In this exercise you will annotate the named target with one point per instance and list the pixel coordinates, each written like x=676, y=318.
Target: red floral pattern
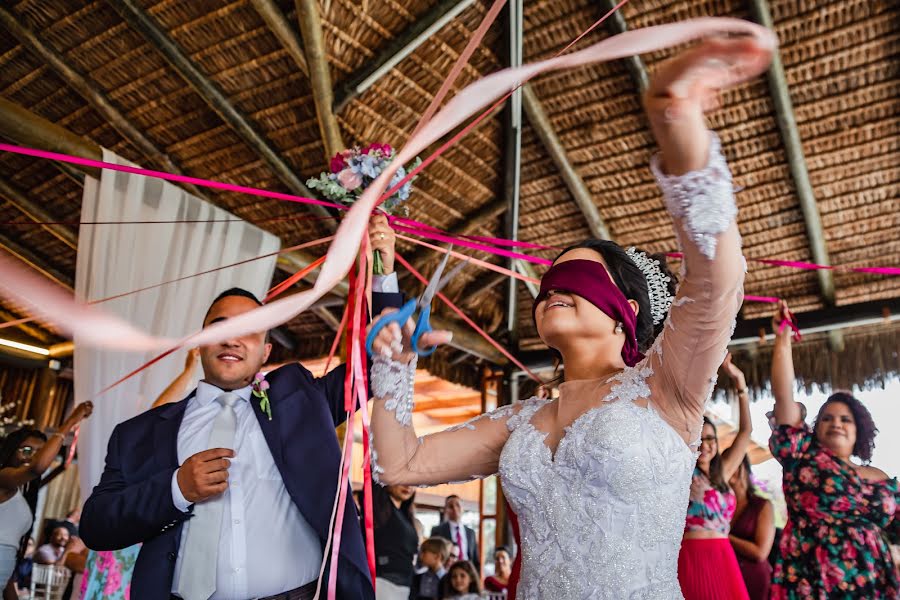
x=835, y=544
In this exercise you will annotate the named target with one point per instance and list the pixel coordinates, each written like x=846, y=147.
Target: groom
x=229, y=503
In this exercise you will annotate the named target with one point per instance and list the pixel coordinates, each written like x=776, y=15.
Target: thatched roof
x=840, y=62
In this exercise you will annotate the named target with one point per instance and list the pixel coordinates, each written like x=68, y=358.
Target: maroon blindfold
x=590, y=280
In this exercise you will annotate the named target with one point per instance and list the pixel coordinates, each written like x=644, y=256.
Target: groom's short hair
x=235, y=291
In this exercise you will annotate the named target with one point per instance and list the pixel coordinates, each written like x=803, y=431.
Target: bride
x=599, y=477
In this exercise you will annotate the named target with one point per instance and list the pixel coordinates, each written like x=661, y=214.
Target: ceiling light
x=25, y=347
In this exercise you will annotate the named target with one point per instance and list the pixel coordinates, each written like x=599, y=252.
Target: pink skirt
x=708, y=570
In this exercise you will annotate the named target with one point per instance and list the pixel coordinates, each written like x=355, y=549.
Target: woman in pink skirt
x=707, y=566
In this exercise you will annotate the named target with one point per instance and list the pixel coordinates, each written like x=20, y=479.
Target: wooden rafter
x=399, y=48
x=30, y=209
x=27, y=328
x=542, y=126
x=319, y=74
x=793, y=149
x=88, y=90
x=281, y=28
x=213, y=95
x=38, y=263
x=616, y=24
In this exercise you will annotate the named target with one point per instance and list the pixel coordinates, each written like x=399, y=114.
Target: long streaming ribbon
x=95, y=328
x=481, y=263
x=177, y=279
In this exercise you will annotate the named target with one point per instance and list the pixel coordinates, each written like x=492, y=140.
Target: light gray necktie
x=197, y=580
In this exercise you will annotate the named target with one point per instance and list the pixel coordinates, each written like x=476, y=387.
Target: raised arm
x=400, y=457
x=734, y=454
x=787, y=411
x=697, y=186
x=11, y=478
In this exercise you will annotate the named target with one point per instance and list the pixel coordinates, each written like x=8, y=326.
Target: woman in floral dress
x=841, y=515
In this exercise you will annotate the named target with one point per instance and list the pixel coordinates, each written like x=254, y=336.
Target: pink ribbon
x=95, y=328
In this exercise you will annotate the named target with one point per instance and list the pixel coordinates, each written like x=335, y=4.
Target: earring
x=619, y=328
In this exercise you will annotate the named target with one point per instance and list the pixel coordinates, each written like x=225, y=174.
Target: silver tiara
x=657, y=284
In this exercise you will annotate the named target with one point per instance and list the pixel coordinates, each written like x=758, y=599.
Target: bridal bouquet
x=353, y=170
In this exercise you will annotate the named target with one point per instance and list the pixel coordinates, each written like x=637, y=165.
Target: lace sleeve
x=680, y=368
x=461, y=453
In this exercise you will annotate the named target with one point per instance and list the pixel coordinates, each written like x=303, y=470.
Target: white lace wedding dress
x=602, y=516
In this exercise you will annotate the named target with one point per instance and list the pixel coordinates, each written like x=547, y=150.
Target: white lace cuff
x=394, y=382
x=703, y=200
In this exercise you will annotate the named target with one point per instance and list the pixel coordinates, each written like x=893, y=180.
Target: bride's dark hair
x=630, y=279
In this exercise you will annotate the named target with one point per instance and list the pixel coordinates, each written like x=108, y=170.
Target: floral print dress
x=107, y=574
x=835, y=544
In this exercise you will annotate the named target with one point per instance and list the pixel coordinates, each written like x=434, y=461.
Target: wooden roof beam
x=540, y=121
x=319, y=74
x=281, y=28
x=88, y=90
x=793, y=148
x=26, y=328
x=23, y=203
x=616, y=25
x=213, y=95
x=38, y=263
x=397, y=49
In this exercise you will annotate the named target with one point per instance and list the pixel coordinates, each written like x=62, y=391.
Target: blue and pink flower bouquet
x=354, y=169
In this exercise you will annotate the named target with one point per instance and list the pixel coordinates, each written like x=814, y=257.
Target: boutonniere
x=261, y=390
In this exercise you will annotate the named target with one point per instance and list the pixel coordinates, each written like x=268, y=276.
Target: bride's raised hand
x=694, y=77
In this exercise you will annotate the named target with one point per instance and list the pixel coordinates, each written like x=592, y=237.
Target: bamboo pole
x=281, y=28
x=319, y=74
x=793, y=148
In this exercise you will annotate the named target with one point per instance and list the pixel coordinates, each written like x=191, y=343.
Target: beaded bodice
x=603, y=517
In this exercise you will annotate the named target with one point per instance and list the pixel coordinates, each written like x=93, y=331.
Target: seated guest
x=499, y=581
x=22, y=574
x=432, y=555
x=52, y=552
x=461, y=582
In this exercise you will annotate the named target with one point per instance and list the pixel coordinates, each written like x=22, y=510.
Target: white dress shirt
x=266, y=545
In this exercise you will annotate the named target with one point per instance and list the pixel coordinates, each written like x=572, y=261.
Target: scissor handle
x=400, y=317
x=423, y=326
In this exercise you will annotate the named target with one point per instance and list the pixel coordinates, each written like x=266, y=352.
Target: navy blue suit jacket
x=133, y=501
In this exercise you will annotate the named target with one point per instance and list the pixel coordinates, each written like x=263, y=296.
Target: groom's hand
x=205, y=474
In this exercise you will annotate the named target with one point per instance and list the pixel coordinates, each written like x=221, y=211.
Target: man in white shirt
x=232, y=499
x=452, y=529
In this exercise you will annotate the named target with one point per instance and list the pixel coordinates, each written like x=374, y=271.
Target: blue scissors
x=422, y=304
